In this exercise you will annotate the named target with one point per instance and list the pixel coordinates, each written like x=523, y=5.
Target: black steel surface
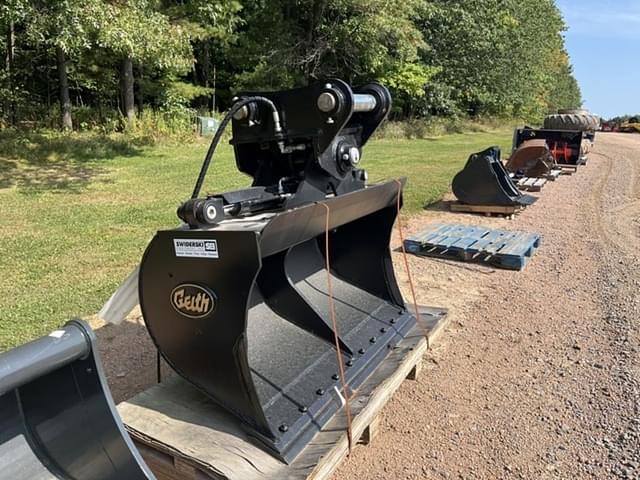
x=484, y=181
x=61, y=423
x=267, y=351
x=306, y=157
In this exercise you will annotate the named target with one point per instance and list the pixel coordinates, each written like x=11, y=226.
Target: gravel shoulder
x=538, y=375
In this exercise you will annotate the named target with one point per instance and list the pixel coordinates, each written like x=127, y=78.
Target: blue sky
x=603, y=41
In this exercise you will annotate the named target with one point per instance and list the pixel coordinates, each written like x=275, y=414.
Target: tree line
x=73, y=63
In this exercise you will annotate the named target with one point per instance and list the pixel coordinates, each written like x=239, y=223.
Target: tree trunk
x=139, y=97
x=310, y=66
x=126, y=83
x=65, y=101
x=11, y=103
x=206, y=64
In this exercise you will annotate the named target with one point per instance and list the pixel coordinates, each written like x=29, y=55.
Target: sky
x=603, y=41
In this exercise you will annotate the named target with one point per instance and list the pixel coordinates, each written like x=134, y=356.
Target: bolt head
x=354, y=156
x=303, y=409
x=373, y=340
x=350, y=362
x=320, y=391
x=327, y=102
x=283, y=428
x=241, y=114
x=361, y=351
x=335, y=376
x=211, y=212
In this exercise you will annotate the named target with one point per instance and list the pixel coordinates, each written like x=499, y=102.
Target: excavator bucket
x=241, y=302
x=57, y=417
x=566, y=146
x=484, y=181
x=531, y=159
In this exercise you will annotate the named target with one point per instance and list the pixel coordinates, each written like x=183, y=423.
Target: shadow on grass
x=439, y=206
x=43, y=162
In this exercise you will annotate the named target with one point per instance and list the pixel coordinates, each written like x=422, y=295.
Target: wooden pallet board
x=553, y=175
x=531, y=184
x=508, y=211
x=183, y=435
x=567, y=169
x=500, y=248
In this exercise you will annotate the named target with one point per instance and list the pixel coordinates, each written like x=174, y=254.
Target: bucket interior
x=290, y=365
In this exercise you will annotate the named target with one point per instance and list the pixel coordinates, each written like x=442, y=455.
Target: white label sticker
x=196, y=248
x=57, y=334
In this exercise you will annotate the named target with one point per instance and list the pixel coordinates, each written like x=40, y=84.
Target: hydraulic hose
x=223, y=124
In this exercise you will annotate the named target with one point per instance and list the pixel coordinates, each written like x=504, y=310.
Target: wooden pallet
x=553, y=175
x=531, y=184
x=500, y=248
x=567, y=169
x=182, y=435
x=488, y=210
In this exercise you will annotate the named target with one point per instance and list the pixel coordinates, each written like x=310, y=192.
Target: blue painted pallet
x=500, y=248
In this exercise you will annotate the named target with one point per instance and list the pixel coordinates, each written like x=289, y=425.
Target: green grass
x=78, y=211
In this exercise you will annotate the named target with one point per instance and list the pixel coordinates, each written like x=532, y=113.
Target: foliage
x=440, y=58
x=407, y=84
x=135, y=29
x=498, y=57
x=309, y=39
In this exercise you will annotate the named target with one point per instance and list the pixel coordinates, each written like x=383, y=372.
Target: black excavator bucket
x=238, y=301
x=57, y=417
x=484, y=181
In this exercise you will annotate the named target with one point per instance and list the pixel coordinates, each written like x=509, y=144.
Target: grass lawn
x=78, y=211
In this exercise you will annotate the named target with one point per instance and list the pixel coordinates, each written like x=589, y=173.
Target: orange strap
x=406, y=262
x=336, y=336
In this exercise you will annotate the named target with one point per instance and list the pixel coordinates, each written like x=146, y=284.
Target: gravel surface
x=538, y=374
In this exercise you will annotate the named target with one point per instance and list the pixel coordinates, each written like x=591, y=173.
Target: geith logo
x=192, y=300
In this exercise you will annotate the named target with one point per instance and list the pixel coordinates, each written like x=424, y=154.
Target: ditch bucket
x=57, y=417
x=240, y=303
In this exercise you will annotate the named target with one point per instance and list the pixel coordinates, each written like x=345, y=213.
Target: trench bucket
x=485, y=181
x=247, y=319
x=57, y=417
x=531, y=159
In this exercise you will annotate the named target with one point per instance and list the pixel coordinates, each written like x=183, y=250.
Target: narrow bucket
x=484, y=181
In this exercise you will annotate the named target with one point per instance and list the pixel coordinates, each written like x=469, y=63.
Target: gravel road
x=538, y=375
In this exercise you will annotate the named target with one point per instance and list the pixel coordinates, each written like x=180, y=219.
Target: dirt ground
x=538, y=374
